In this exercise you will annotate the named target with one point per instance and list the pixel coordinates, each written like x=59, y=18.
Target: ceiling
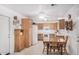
x=32, y=10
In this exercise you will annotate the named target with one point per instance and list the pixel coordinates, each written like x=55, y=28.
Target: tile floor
x=33, y=50
x=37, y=49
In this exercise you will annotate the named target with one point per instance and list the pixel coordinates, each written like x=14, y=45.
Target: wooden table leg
x=47, y=48
x=61, y=52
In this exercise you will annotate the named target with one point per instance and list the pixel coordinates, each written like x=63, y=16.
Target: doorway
x=4, y=34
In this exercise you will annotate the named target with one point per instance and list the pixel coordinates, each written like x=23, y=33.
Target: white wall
x=74, y=11
x=10, y=13
x=34, y=34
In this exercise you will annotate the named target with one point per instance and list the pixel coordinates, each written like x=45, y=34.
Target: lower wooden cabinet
x=23, y=37
x=19, y=40
x=40, y=37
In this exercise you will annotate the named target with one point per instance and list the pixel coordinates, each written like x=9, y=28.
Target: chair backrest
x=54, y=39
x=60, y=37
x=52, y=36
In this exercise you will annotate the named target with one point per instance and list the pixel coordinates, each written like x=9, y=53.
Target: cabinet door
x=26, y=25
x=40, y=26
x=53, y=26
x=40, y=37
x=16, y=37
x=21, y=41
x=61, y=24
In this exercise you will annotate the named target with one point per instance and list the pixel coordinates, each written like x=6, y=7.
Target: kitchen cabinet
x=27, y=27
x=19, y=40
x=40, y=36
x=40, y=26
x=61, y=24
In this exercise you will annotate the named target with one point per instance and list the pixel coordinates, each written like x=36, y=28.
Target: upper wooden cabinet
x=61, y=24
x=53, y=26
x=40, y=26
x=27, y=26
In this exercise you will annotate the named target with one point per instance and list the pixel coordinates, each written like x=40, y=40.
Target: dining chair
x=54, y=45
x=65, y=45
x=44, y=46
x=45, y=37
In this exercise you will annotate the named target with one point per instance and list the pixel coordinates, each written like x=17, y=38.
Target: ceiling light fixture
x=42, y=16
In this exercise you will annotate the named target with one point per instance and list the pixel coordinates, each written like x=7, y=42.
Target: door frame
x=9, y=31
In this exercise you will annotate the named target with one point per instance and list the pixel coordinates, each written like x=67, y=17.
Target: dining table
x=59, y=41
